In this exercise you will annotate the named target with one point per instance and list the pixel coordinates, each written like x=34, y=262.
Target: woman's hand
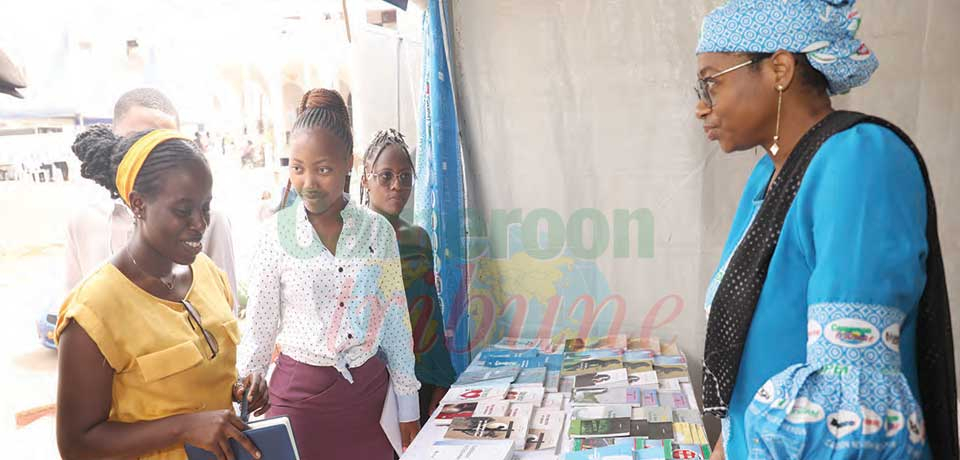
x=408, y=431
x=259, y=399
x=213, y=430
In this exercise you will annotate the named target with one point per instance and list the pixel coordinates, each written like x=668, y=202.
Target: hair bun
x=322, y=98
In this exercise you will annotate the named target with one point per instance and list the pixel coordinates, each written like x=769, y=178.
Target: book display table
x=586, y=399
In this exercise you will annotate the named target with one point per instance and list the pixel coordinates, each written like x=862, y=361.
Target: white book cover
x=600, y=412
x=643, y=379
x=669, y=384
x=475, y=393
x=600, y=396
x=552, y=383
x=545, y=430
x=553, y=401
x=521, y=414
x=614, y=377
x=479, y=409
x=532, y=395
x=486, y=450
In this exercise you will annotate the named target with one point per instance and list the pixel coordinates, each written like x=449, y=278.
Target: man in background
x=99, y=230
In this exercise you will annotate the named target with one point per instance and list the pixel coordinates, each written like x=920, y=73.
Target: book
x=669, y=384
x=491, y=353
x=553, y=362
x=533, y=395
x=582, y=444
x=651, y=430
x=553, y=401
x=614, y=452
x=673, y=400
x=691, y=451
x=640, y=365
x=545, y=430
x=578, y=366
x=614, y=342
x=643, y=379
x=651, y=344
x=521, y=414
x=454, y=450
x=601, y=412
x=472, y=377
x=534, y=376
x=273, y=436
x=523, y=363
x=671, y=371
x=544, y=345
x=669, y=348
x=669, y=360
x=658, y=414
x=451, y=411
x=600, y=428
x=691, y=416
x=615, y=377
x=638, y=355
x=600, y=395
x=691, y=397
x=552, y=383
x=482, y=428
x=652, y=449
x=475, y=393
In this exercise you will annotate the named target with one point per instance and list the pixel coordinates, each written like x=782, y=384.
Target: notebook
x=273, y=436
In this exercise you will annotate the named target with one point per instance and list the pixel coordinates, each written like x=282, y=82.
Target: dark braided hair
x=100, y=152
x=380, y=141
x=324, y=108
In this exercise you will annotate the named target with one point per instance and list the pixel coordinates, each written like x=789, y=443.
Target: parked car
x=47, y=323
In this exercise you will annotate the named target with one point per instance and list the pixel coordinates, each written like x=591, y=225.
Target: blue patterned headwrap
x=824, y=30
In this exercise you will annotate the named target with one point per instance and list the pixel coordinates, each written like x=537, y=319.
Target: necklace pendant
x=774, y=149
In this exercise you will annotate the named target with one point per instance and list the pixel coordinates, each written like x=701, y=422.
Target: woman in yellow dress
x=148, y=341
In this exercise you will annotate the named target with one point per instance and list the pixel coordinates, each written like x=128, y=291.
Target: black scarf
x=738, y=293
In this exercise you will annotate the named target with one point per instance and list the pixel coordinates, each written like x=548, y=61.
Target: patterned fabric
x=824, y=30
x=328, y=309
x=869, y=266
x=429, y=345
x=849, y=400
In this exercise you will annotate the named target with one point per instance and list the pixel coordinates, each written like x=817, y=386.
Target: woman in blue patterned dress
x=828, y=327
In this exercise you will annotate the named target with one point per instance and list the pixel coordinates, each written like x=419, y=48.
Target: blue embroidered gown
x=829, y=368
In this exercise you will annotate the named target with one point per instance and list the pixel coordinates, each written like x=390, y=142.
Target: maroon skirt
x=332, y=418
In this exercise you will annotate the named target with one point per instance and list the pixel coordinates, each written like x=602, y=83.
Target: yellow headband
x=137, y=155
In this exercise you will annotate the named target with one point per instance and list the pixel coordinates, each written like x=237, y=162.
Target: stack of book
x=510, y=393
x=594, y=398
x=630, y=397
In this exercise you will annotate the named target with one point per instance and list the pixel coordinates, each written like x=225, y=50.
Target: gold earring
x=776, y=135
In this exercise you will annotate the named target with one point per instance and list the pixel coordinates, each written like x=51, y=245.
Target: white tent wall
x=575, y=105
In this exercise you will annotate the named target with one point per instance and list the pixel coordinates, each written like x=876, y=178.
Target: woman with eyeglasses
x=148, y=341
x=326, y=286
x=828, y=332
x=388, y=180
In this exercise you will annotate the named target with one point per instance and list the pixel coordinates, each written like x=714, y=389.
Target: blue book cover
x=553, y=362
x=602, y=453
x=489, y=354
x=273, y=436
x=524, y=363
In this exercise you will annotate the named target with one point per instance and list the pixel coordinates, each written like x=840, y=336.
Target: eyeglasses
x=385, y=178
x=704, y=84
x=194, y=319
